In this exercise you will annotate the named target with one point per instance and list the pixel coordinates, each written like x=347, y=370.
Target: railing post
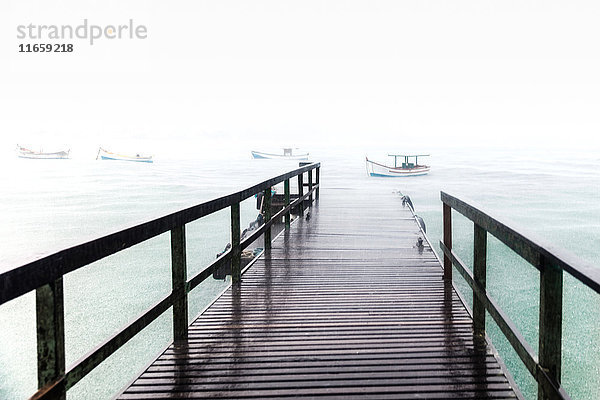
x=267, y=234
x=310, y=186
x=479, y=275
x=286, y=194
x=317, y=173
x=50, y=319
x=179, y=277
x=447, y=241
x=550, y=338
x=301, y=193
x=236, y=253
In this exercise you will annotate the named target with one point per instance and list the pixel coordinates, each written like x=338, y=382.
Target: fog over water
x=522, y=74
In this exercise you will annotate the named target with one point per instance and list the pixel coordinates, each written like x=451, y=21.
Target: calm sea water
x=50, y=205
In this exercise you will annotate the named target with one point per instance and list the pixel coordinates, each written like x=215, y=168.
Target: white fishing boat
x=287, y=155
x=23, y=152
x=107, y=155
x=407, y=167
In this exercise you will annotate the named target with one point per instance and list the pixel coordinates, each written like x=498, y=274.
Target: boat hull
x=44, y=156
x=261, y=155
x=380, y=170
x=106, y=155
x=35, y=155
x=125, y=159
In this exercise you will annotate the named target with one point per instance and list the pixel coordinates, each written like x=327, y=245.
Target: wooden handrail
x=550, y=261
x=45, y=277
x=33, y=275
x=526, y=244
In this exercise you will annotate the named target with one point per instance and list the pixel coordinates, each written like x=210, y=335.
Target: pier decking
x=344, y=305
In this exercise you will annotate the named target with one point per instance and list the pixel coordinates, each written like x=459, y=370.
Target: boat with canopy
x=404, y=165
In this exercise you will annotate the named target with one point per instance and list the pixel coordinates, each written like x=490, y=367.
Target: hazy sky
x=255, y=73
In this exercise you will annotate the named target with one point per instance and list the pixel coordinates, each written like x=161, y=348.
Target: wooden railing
x=45, y=276
x=551, y=263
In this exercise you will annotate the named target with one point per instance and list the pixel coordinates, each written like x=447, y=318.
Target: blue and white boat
x=287, y=155
x=407, y=167
x=107, y=155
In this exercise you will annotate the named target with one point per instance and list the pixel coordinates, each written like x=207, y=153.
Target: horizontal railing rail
x=45, y=276
x=550, y=261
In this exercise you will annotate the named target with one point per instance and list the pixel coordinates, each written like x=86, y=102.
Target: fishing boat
x=409, y=166
x=23, y=152
x=287, y=155
x=107, y=155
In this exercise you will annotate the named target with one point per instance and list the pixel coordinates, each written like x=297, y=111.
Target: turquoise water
x=50, y=205
x=554, y=195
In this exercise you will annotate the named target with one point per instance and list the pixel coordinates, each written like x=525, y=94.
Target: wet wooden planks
x=346, y=305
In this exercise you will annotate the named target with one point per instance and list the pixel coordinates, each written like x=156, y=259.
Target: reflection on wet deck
x=345, y=305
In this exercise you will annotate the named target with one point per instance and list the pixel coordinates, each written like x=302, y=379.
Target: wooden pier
x=347, y=305
x=349, y=301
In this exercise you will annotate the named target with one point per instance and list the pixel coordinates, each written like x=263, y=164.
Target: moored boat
x=406, y=167
x=287, y=155
x=107, y=155
x=23, y=152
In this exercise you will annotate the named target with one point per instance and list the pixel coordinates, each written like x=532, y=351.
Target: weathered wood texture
x=549, y=261
x=236, y=251
x=345, y=305
x=479, y=275
x=179, y=277
x=50, y=321
x=447, y=211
